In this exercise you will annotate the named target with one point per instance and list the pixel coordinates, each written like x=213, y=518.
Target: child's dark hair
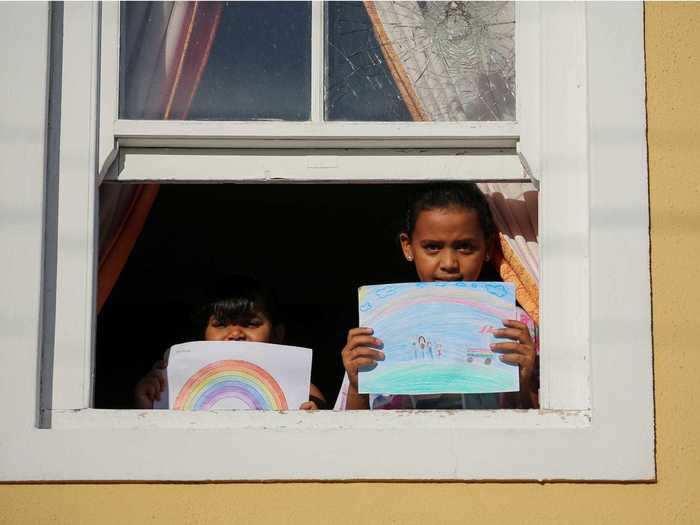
x=441, y=195
x=235, y=298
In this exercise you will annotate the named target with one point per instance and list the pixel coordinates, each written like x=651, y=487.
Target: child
x=448, y=236
x=239, y=309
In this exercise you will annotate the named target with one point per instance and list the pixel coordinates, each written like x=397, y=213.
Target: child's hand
x=520, y=351
x=358, y=354
x=148, y=390
x=308, y=405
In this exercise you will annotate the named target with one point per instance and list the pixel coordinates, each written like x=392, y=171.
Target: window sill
x=318, y=420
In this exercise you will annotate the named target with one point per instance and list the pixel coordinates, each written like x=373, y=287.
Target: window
x=258, y=61
x=565, y=107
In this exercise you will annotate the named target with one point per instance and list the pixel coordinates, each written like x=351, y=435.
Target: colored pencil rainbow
x=231, y=378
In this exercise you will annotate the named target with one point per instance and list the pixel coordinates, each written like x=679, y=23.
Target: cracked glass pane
x=215, y=60
x=423, y=61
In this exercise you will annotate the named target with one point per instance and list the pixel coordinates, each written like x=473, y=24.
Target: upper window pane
x=215, y=60
x=425, y=61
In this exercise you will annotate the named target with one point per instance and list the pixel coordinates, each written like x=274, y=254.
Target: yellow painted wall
x=673, y=83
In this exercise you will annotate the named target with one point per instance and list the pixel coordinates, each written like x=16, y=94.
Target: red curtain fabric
x=169, y=59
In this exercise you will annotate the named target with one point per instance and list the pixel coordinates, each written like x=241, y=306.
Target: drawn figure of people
x=422, y=343
x=430, y=349
x=438, y=349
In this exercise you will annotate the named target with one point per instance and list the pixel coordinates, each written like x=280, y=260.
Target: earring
x=409, y=257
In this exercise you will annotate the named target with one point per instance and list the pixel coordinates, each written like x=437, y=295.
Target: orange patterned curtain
x=165, y=63
x=514, y=209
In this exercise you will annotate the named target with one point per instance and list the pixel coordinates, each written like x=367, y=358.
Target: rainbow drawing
x=231, y=378
x=409, y=297
x=436, y=337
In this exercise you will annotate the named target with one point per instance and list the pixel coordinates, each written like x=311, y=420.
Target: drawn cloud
x=386, y=291
x=496, y=289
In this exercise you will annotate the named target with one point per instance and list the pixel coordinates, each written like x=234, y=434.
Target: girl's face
x=447, y=244
x=255, y=328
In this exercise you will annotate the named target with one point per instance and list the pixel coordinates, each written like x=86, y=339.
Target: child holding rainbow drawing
x=448, y=236
x=238, y=309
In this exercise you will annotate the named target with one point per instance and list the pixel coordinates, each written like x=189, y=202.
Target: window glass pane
x=215, y=60
x=359, y=85
x=433, y=61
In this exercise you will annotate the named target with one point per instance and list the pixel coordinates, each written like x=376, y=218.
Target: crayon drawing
x=215, y=375
x=436, y=337
x=231, y=378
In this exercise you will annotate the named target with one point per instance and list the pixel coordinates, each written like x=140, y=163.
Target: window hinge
x=109, y=164
x=534, y=178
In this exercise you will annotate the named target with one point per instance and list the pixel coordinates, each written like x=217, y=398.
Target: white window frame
x=584, y=139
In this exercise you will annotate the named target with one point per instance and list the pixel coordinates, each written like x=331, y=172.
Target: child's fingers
x=360, y=358
x=523, y=363
x=362, y=330
x=362, y=362
x=150, y=389
x=357, y=347
x=364, y=340
x=363, y=351
x=522, y=336
x=513, y=359
x=354, y=349
x=503, y=348
x=512, y=323
x=308, y=405
x=157, y=379
x=144, y=396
